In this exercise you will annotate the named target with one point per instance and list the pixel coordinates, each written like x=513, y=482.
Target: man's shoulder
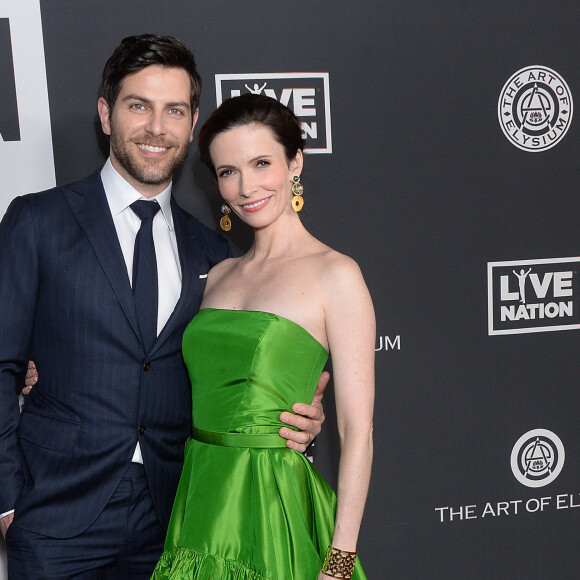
x=82, y=186
x=208, y=238
x=50, y=207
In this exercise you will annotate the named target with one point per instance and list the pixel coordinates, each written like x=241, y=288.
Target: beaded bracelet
x=339, y=563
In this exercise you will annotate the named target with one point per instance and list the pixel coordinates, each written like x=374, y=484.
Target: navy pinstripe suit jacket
x=66, y=303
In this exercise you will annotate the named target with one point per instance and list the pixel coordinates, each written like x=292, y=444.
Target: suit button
x=142, y=429
x=147, y=367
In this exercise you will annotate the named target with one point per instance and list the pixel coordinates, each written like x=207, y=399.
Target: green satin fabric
x=247, y=507
x=258, y=440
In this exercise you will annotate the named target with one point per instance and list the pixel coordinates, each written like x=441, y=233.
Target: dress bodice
x=261, y=364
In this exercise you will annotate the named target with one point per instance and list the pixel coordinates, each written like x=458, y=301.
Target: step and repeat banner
x=443, y=157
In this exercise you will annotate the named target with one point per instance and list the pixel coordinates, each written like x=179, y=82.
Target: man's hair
x=138, y=52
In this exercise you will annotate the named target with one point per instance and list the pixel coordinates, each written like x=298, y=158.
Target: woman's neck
x=283, y=238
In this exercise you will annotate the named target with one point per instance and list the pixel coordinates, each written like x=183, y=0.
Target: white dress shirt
x=120, y=195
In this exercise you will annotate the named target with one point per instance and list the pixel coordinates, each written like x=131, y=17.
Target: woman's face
x=253, y=174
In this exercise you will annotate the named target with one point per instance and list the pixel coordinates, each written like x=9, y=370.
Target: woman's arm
x=350, y=327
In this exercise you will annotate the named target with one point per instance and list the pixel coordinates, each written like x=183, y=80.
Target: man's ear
x=104, y=115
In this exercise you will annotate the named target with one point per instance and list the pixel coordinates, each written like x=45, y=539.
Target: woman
x=247, y=507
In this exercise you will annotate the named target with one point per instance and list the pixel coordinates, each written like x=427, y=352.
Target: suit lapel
x=88, y=202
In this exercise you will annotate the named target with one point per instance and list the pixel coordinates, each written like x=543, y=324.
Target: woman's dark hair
x=138, y=52
x=246, y=110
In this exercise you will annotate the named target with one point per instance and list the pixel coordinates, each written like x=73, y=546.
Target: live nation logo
x=307, y=94
x=533, y=295
x=535, y=108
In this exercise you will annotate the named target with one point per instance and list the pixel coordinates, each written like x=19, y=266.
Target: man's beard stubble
x=150, y=171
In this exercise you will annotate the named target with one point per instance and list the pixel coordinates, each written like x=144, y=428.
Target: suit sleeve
x=218, y=247
x=19, y=280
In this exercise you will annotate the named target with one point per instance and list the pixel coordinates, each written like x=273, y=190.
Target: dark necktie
x=145, y=285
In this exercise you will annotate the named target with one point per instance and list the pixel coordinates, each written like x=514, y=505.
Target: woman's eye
x=225, y=173
x=263, y=163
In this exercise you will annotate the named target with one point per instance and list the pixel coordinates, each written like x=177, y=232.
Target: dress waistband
x=258, y=440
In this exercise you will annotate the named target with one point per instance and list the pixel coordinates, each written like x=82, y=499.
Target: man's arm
x=18, y=297
x=308, y=419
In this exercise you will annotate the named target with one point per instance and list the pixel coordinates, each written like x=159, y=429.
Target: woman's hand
x=31, y=378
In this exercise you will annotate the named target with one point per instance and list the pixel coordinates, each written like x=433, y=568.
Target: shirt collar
x=121, y=194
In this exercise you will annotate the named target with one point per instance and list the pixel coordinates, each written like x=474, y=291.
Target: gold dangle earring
x=225, y=222
x=297, y=190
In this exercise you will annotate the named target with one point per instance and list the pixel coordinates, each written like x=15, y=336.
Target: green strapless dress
x=247, y=507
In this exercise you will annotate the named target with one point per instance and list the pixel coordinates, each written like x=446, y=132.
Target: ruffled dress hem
x=187, y=563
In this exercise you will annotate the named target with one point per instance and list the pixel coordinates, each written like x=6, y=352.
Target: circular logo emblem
x=537, y=458
x=535, y=108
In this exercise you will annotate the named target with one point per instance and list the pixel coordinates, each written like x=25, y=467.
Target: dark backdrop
x=423, y=189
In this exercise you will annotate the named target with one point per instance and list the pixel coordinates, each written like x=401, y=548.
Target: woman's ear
x=296, y=164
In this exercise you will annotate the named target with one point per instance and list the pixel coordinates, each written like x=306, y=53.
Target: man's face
x=151, y=127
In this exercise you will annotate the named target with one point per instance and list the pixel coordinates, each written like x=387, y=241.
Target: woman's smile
x=256, y=205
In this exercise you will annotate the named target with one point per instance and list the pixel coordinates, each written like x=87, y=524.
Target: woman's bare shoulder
x=222, y=267
x=337, y=267
x=219, y=271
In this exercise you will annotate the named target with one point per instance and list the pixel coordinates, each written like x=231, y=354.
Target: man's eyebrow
x=137, y=97
x=178, y=104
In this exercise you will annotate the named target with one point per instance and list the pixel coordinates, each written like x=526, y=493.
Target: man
x=98, y=293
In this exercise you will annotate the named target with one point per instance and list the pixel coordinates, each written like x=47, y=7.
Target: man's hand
x=308, y=419
x=5, y=523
